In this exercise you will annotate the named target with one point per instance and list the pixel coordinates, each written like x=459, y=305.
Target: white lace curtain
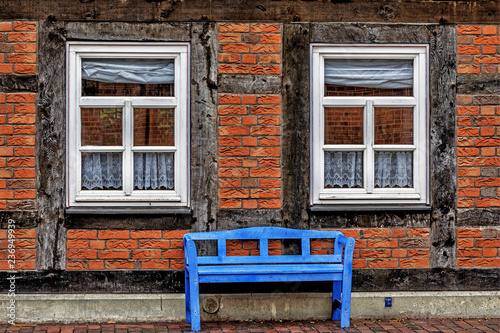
x=103, y=171
x=392, y=169
x=371, y=73
x=140, y=71
x=153, y=171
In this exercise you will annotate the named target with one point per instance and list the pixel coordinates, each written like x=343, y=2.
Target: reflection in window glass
x=101, y=126
x=154, y=127
x=393, y=125
x=343, y=125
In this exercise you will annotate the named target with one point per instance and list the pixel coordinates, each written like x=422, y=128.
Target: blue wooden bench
x=336, y=267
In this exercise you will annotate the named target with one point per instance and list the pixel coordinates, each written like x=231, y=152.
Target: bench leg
x=194, y=303
x=336, y=299
x=345, y=313
x=187, y=297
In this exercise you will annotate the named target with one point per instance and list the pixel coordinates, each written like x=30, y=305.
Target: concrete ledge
x=74, y=308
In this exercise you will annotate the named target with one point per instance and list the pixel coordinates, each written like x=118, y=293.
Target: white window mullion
x=369, y=135
x=128, y=158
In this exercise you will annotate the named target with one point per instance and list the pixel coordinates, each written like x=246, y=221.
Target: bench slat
x=285, y=259
x=270, y=277
x=264, y=269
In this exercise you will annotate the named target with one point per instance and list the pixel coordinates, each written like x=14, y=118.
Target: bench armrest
x=190, y=254
x=348, y=249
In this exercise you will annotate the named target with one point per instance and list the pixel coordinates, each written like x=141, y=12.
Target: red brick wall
x=478, y=120
x=249, y=124
x=17, y=118
x=125, y=249
x=478, y=247
x=25, y=249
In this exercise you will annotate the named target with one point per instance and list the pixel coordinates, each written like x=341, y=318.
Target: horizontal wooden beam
x=408, y=11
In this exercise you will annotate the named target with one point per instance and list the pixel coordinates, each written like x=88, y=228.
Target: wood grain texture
x=411, y=11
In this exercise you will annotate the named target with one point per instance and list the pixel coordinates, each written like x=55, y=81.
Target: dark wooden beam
x=411, y=11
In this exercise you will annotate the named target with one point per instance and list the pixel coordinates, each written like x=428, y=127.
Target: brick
x=236, y=48
x=490, y=252
x=465, y=242
x=249, y=99
x=270, y=183
x=249, y=59
x=234, y=69
x=487, y=131
x=229, y=141
x=121, y=244
x=229, y=121
x=6, y=151
x=469, y=30
x=487, y=161
x=229, y=99
x=82, y=234
x=269, y=162
x=414, y=243
x=468, y=49
x=489, y=30
x=21, y=141
x=383, y=243
x=399, y=253
x=259, y=69
x=488, y=151
x=465, y=161
x=76, y=265
x=25, y=194
x=24, y=129
x=232, y=27
x=173, y=254
x=383, y=263
x=24, y=173
x=265, y=172
x=465, y=263
x=26, y=58
x=154, y=244
x=270, y=39
x=229, y=38
x=250, y=38
x=229, y=203
x=488, y=262
x=488, y=49
x=484, y=59
x=232, y=110
x=229, y=57
x=77, y=244
x=233, y=173
x=234, y=193
x=486, y=40
x=469, y=172
x=411, y=263
x=468, y=69
x=234, y=151
x=488, y=110
x=468, y=152
x=146, y=254
x=485, y=142
x=6, y=108
x=229, y=162
x=265, y=48
x=21, y=37
x=249, y=142
x=375, y=233
x=24, y=151
x=249, y=182
x=22, y=119
x=463, y=100
x=82, y=254
x=97, y=244
x=25, y=254
x=418, y=253
x=175, y=234
x=265, y=130
x=468, y=131
x=24, y=69
x=5, y=173
x=25, y=48
x=266, y=194
x=468, y=110
x=223, y=183
x=269, y=120
x=5, y=68
x=113, y=254
x=469, y=253
x=250, y=204
x=265, y=28
x=488, y=202
x=114, y=234
x=5, y=26
x=467, y=233
x=268, y=99
x=465, y=182
x=495, y=243
x=464, y=59
x=119, y=264
x=470, y=192
x=95, y=265
x=145, y=234
x=488, y=182
x=418, y=232
x=24, y=26
x=265, y=152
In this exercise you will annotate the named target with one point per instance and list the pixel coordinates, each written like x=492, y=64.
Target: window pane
x=154, y=127
x=128, y=77
x=101, y=127
x=343, y=169
x=101, y=171
x=154, y=171
x=393, y=126
x=393, y=169
x=368, y=77
x=343, y=126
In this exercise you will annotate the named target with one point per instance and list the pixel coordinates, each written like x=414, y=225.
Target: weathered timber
x=131, y=221
x=239, y=218
x=22, y=219
x=481, y=84
x=485, y=217
x=443, y=149
x=15, y=83
x=445, y=11
x=246, y=84
x=50, y=150
x=172, y=281
x=204, y=126
x=295, y=128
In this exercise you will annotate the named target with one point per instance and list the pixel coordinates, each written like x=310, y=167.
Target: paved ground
x=414, y=325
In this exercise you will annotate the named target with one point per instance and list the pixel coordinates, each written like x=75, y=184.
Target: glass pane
x=101, y=171
x=393, y=169
x=343, y=126
x=368, y=77
x=393, y=126
x=154, y=171
x=101, y=127
x=343, y=169
x=128, y=77
x=154, y=127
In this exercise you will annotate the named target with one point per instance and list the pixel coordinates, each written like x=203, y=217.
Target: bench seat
x=262, y=267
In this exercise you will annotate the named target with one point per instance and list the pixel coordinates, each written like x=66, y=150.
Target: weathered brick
x=232, y=27
x=234, y=193
x=119, y=264
x=234, y=151
x=265, y=28
x=121, y=244
x=113, y=254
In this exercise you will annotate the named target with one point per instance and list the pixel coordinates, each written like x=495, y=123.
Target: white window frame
x=369, y=195
x=128, y=197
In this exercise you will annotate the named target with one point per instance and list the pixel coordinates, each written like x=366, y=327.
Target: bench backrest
x=263, y=235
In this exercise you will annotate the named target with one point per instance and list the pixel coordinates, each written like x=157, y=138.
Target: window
x=127, y=125
x=369, y=125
